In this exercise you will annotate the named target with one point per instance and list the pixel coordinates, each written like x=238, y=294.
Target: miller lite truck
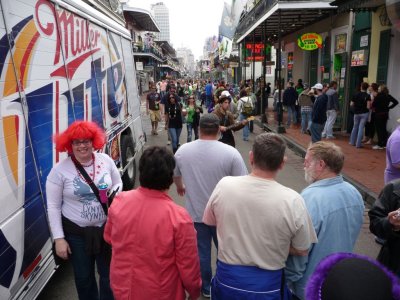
x=60, y=61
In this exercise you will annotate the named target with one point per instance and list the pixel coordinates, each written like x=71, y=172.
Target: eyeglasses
x=81, y=142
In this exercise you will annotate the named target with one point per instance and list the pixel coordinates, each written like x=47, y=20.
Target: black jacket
x=289, y=97
x=319, y=109
x=388, y=201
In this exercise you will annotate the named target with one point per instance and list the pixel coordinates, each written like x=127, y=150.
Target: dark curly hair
x=156, y=168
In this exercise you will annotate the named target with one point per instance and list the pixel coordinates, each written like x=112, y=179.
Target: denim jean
x=175, y=133
x=305, y=120
x=316, y=132
x=209, y=100
x=205, y=234
x=246, y=128
x=83, y=265
x=330, y=121
x=190, y=128
x=358, y=129
x=291, y=114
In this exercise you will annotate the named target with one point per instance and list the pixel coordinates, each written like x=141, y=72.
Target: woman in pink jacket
x=153, y=239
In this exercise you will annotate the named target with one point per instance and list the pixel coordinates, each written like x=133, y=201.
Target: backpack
x=247, y=107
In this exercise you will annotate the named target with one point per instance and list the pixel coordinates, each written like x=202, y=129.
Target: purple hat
x=352, y=276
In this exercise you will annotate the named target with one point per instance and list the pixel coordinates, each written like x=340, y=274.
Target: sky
x=191, y=21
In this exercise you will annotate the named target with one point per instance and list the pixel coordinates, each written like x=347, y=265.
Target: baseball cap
x=209, y=121
x=225, y=93
x=318, y=86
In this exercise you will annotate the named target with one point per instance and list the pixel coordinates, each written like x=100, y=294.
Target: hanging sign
x=309, y=41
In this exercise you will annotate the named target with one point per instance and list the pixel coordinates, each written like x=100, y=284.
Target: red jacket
x=154, y=247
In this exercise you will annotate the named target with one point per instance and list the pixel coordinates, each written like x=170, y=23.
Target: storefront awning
x=142, y=18
x=294, y=16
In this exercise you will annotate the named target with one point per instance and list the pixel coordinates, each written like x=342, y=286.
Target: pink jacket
x=154, y=248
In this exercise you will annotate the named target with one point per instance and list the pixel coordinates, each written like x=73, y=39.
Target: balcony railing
x=141, y=48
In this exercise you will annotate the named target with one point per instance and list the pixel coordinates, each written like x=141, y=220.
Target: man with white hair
x=336, y=209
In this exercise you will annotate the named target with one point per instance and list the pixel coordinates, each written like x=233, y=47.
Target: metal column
x=281, y=128
x=264, y=99
x=254, y=61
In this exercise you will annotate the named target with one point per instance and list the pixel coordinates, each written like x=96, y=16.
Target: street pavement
x=61, y=286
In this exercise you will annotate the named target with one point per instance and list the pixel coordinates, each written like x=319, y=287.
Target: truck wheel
x=128, y=152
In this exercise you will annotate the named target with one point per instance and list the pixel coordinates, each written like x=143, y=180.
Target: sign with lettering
x=309, y=41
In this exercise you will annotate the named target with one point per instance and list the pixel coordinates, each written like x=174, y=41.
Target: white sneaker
x=376, y=147
x=169, y=143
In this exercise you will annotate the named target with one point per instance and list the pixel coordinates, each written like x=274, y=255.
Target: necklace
x=172, y=109
x=79, y=173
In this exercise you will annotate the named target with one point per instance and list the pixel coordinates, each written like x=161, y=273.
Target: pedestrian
x=306, y=107
x=289, y=100
x=332, y=110
x=276, y=97
x=164, y=100
x=173, y=120
x=193, y=118
x=245, y=109
x=227, y=121
x=318, y=115
x=352, y=276
x=360, y=105
x=209, y=94
x=299, y=86
x=370, y=125
x=259, y=222
x=392, y=170
x=385, y=224
x=153, y=239
x=75, y=213
x=254, y=102
x=200, y=165
x=333, y=204
x=383, y=102
x=153, y=107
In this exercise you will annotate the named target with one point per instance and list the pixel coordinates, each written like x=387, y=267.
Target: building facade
x=161, y=15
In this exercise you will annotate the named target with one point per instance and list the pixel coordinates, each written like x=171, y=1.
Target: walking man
x=153, y=107
x=259, y=222
x=332, y=110
x=209, y=94
x=200, y=165
x=318, y=116
x=336, y=209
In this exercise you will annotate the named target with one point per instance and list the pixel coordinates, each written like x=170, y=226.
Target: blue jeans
x=209, y=100
x=330, y=121
x=83, y=265
x=189, y=127
x=246, y=128
x=291, y=109
x=175, y=133
x=205, y=234
x=305, y=120
x=316, y=132
x=358, y=129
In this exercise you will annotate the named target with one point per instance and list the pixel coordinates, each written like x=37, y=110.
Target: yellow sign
x=309, y=41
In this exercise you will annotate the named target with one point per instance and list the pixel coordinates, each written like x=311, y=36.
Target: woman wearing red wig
x=76, y=216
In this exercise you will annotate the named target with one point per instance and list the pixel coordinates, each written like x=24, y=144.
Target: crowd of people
x=272, y=242
x=318, y=107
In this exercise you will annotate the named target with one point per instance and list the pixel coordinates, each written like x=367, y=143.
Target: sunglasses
x=81, y=142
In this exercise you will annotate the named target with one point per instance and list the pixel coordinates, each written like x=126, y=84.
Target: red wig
x=77, y=131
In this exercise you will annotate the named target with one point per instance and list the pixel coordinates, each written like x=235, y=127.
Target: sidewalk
x=363, y=167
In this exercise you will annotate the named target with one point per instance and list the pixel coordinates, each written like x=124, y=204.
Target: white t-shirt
x=202, y=163
x=68, y=193
x=257, y=221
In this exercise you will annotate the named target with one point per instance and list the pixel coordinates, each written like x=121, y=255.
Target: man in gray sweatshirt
x=332, y=110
